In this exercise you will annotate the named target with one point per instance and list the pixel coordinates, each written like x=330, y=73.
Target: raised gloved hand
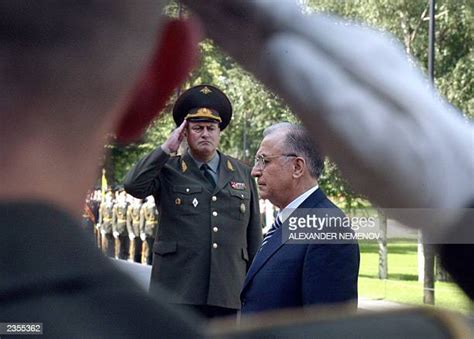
x=366, y=106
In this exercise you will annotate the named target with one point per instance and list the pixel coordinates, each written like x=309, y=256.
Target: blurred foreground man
x=283, y=275
x=208, y=205
x=62, y=66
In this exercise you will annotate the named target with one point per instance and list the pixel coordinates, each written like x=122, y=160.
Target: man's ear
x=175, y=56
x=299, y=167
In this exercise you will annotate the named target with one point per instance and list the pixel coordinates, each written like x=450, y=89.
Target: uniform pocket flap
x=187, y=189
x=245, y=254
x=240, y=194
x=164, y=247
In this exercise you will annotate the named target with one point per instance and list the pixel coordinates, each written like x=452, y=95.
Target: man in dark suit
x=66, y=71
x=208, y=205
x=283, y=275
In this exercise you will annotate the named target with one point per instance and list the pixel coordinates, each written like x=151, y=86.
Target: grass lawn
x=402, y=284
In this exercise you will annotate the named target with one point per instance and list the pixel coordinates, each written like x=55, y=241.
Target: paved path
x=379, y=305
x=141, y=274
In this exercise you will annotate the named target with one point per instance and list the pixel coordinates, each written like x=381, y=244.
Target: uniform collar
x=286, y=212
x=213, y=163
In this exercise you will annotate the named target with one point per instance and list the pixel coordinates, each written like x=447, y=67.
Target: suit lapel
x=275, y=242
x=264, y=254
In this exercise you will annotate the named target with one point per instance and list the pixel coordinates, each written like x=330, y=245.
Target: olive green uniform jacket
x=207, y=237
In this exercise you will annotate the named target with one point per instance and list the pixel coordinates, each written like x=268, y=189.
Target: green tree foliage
x=255, y=108
x=408, y=21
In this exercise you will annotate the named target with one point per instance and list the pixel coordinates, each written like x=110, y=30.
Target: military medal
x=237, y=185
x=195, y=202
x=177, y=201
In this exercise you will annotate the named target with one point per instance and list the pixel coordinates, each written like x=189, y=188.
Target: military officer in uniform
x=148, y=228
x=134, y=213
x=208, y=204
x=106, y=212
x=119, y=224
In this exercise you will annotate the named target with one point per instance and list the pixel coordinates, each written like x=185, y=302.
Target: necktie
x=275, y=226
x=207, y=173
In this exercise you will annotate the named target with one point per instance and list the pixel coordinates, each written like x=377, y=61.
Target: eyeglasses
x=261, y=161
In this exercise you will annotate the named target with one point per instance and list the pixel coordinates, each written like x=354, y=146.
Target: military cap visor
x=203, y=103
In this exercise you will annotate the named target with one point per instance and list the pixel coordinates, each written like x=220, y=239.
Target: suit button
x=214, y=198
x=214, y=245
x=215, y=229
x=187, y=190
x=214, y=213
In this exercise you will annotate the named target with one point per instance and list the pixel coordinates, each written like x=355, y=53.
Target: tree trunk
x=429, y=281
x=383, y=263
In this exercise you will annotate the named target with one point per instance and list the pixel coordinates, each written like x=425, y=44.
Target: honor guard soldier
x=134, y=213
x=106, y=212
x=119, y=223
x=96, y=201
x=148, y=228
x=208, y=204
x=88, y=217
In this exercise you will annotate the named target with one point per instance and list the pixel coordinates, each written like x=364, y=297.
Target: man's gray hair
x=297, y=141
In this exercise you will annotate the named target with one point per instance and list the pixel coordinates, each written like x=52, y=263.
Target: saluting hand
x=174, y=140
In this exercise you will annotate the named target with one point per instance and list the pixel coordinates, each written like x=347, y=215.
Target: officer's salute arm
x=142, y=180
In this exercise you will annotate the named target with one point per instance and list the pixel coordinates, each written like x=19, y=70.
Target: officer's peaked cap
x=203, y=103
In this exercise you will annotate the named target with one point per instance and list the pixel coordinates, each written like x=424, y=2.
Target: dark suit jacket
x=207, y=237
x=294, y=275
x=52, y=273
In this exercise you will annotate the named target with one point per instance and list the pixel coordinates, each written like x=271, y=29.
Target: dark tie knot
x=207, y=173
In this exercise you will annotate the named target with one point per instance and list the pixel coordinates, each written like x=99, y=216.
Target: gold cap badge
x=205, y=90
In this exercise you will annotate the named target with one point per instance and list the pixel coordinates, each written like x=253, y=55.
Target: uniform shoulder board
x=184, y=166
